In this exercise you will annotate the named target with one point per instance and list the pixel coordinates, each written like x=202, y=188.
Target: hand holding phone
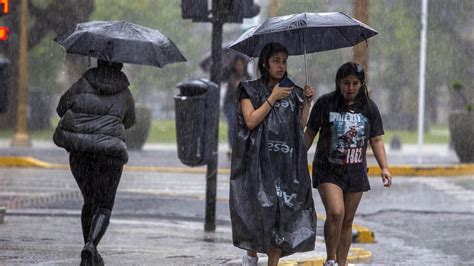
x=286, y=82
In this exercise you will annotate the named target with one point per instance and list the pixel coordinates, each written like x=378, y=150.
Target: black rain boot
x=90, y=256
x=98, y=261
x=100, y=222
x=86, y=219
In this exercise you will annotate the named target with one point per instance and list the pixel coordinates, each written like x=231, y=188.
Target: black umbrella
x=121, y=41
x=304, y=33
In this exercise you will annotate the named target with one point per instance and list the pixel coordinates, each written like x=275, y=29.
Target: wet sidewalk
x=33, y=238
x=158, y=219
x=34, y=232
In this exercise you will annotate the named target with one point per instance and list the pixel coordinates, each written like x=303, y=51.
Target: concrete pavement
x=36, y=238
x=32, y=234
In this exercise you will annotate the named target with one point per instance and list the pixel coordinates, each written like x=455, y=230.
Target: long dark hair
x=351, y=68
x=239, y=57
x=268, y=51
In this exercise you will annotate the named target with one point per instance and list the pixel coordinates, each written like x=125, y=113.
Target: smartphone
x=286, y=82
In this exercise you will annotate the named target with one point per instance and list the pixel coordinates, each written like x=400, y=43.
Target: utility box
x=197, y=119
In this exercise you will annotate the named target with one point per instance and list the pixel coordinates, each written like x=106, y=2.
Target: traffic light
x=236, y=10
x=3, y=33
x=233, y=11
x=4, y=9
x=197, y=10
x=250, y=9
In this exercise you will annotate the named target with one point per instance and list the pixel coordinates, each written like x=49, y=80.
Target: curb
x=356, y=255
x=23, y=202
x=396, y=170
x=22, y=161
x=360, y=234
x=428, y=170
x=421, y=170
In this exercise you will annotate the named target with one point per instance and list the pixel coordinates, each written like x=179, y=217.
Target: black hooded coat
x=95, y=112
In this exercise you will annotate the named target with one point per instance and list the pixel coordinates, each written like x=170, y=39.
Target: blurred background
x=393, y=59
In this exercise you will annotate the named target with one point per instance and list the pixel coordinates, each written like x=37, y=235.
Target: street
x=127, y=81
x=420, y=220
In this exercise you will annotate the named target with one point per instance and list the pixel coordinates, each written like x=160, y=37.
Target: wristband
x=271, y=105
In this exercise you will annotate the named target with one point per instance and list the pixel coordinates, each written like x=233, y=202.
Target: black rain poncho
x=270, y=188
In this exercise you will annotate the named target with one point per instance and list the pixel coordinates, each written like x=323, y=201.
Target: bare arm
x=253, y=117
x=380, y=155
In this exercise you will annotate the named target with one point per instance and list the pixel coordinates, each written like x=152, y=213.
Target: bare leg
x=250, y=259
x=351, y=202
x=251, y=253
x=273, y=256
x=333, y=199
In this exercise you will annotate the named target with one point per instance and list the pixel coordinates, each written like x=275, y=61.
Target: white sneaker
x=331, y=263
x=249, y=261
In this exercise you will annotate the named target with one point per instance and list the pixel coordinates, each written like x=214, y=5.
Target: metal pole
x=421, y=93
x=21, y=137
x=216, y=65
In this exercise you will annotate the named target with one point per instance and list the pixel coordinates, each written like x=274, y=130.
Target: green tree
x=394, y=52
x=47, y=18
x=450, y=42
x=191, y=38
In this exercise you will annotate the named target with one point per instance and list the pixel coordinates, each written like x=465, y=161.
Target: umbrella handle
x=305, y=71
x=304, y=56
x=305, y=65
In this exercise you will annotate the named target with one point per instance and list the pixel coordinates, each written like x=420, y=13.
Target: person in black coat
x=94, y=113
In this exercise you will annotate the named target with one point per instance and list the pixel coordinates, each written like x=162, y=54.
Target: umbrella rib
x=282, y=30
x=339, y=30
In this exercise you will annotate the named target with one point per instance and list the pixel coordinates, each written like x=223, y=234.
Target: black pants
x=98, y=177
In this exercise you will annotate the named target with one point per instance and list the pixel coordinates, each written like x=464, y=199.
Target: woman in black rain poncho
x=271, y=204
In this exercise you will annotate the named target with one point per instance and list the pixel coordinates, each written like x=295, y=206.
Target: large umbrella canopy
x=304, y=33
x=121, y=41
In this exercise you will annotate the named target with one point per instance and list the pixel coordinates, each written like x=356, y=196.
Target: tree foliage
x=193, y=39
x=394, y=52
x=47, y=18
